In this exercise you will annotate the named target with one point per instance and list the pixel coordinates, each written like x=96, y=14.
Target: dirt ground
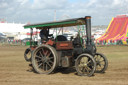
x=14, y=70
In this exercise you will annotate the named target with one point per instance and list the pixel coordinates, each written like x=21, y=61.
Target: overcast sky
x=35, y=11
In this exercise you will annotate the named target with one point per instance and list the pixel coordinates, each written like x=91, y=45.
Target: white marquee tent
x=12, y=27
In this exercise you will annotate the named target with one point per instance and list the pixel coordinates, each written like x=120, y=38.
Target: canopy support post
x=31, y=30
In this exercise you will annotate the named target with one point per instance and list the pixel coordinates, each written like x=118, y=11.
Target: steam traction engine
x=59, y=52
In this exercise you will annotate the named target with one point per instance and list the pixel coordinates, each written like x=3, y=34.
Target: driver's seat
x=61, y=38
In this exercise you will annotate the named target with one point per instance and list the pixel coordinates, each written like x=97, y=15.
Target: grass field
x=14, y=69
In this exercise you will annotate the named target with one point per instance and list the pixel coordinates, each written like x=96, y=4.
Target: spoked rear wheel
x=44, y=59
x=101, y=63
x=27, y=54
x=85, y=65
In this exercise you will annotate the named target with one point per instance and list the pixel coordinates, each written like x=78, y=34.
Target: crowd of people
x=111, y=42
x=44, y=34
x=12, y=41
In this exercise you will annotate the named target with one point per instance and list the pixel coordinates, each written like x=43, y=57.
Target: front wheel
x=85, y=65
x=101, y=63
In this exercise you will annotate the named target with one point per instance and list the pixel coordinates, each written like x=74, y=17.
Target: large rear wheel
x=85, y=65
x=101, y=63
x=44, y=59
